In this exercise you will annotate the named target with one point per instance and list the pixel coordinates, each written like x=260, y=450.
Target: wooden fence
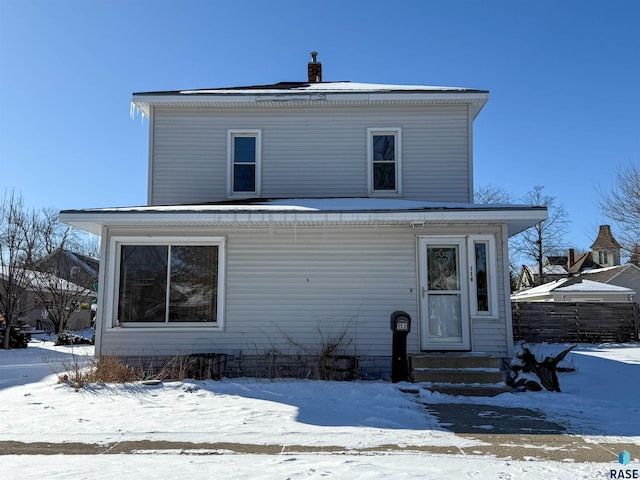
x=575, y=321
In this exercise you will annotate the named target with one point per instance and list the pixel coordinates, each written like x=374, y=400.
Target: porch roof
x=308, y=212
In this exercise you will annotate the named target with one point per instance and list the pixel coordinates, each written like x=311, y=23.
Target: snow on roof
x=573, y=287
x=547, y=269
x=313, y=205
x=36, y=281
x=308, y=211
x=591, y=286
x=320, y=87
x=540, y=289
x=311, y=94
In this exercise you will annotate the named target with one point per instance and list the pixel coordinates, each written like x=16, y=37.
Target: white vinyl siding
x=291, y=286
x=310, y=152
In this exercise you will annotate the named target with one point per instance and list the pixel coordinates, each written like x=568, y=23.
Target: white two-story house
x=283, y=217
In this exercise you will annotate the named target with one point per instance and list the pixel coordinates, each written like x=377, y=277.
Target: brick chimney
x=571, y=258
x=314, y=68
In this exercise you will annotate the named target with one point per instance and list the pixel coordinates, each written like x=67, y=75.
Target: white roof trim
x=356, y=211
x=325, y=94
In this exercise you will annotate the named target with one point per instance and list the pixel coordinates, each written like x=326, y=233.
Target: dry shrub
x=110, y=369
x=178, y=368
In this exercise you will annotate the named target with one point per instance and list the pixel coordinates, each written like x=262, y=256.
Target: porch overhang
x=308, y=212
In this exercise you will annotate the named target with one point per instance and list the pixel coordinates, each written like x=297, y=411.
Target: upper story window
x=384, y=160
x=602, y=257
x=244, y=149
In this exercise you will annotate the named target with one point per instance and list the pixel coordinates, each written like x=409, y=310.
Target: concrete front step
x=468, y=390
x=453, y=360
x=458, y=375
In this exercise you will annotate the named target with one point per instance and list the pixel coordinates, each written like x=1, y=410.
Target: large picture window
x=244, y=152
x=384, y=161
x=169, y=283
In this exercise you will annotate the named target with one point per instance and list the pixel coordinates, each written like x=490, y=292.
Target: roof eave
x=144, y=102
x=93, y=221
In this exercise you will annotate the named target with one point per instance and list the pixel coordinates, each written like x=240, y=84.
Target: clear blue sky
x=564, y=78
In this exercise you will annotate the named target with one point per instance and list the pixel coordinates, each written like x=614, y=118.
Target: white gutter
x=93, y=220
x=144, y=101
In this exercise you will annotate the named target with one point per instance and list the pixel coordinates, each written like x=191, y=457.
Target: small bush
x=110, y=369
x=104, y=369
x=66, y=338
x=17, y=338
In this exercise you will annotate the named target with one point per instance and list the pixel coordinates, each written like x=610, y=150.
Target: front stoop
x=458, y=373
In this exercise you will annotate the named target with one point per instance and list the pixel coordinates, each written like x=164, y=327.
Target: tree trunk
x=7, y=335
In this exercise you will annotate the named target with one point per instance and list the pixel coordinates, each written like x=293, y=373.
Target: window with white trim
x=244, y=159
x=482, y=276
x=384, y=160
x=169, y=282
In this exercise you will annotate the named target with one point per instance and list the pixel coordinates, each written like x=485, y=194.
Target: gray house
x=297, y=215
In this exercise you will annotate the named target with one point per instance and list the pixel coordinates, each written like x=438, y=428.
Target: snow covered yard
x=306, y=429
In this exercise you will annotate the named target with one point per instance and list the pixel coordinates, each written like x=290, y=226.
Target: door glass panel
x=444, y=297
x=442, y=268
x=445, y=319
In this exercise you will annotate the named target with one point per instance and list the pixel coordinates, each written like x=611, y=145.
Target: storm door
x=444, y=303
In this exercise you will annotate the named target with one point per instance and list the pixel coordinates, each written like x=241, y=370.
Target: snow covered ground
x=346, y=426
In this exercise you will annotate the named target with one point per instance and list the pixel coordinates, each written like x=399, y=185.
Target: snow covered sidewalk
x=296, y=429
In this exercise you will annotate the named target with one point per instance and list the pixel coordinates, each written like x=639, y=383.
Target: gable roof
x=609, y=273
x=556, y=260
x=43, y=281
x=582, y=262
x=89, y=264
x=312, y=94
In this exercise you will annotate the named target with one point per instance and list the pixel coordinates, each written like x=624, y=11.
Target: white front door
x=444, y=302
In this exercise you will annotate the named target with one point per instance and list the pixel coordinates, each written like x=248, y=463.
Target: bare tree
x=547, y=237
x=60, y=298
x=622, y=205
x=492, y=195
x=27, y=235
x=18, y=229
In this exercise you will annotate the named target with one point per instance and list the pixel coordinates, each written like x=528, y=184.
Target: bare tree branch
x=622, y=205
x=547, y=237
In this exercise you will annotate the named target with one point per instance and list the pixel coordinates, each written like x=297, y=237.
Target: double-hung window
x=384, y=161
x=162, y=281
x=244, y=158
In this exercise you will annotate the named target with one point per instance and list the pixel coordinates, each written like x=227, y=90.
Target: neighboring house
x=627, y=275
x=282, y=217
x=605, y=251
x=74, y=267
x=40, y=293
x=575, y=290
x=529, y=274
